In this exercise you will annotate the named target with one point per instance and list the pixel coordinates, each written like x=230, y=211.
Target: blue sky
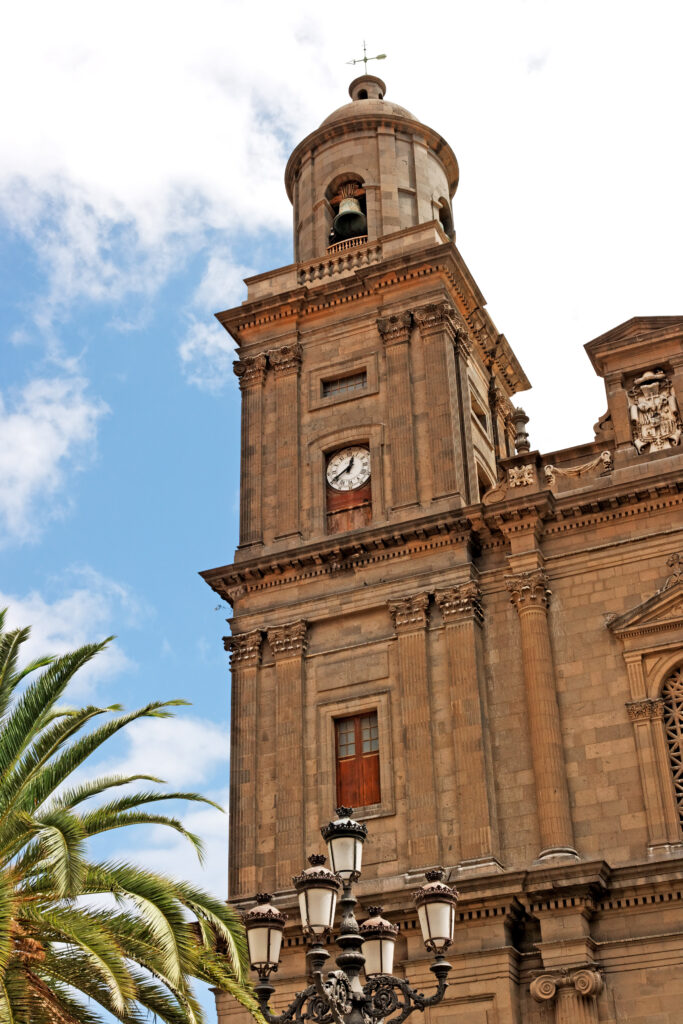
x=143, y=151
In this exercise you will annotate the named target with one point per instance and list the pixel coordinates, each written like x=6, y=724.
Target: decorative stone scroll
x=604, y=460
x=285, y=360
x=244, y=648
x=410, y=613
x=654, y=414
x=396, y=328
x=464, y=601
x=587, y=982
x=289, y=640
x=251, y=370
x=529, y=588
x=641, y=710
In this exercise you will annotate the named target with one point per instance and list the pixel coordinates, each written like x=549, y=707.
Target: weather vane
x=364, y=59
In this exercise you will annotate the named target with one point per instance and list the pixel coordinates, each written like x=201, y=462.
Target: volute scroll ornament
x=587, y=982
x=244, y=648
x=251, y=370
x=396, y=328
x=654, y=413
x=461, y=602
x=286, y=359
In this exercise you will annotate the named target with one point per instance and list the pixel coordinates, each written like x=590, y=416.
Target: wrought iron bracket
x=386, y=995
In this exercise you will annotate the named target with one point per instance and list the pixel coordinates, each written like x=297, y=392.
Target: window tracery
x=672, y=696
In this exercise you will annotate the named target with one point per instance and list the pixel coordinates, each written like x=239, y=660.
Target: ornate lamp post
x=340, y=998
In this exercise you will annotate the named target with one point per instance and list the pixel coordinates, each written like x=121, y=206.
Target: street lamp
x=340, y=998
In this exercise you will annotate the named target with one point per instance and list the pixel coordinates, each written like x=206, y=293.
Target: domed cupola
x=371, y=169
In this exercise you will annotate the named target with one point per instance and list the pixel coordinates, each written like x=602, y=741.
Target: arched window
x=672, y=697
x=348, y=213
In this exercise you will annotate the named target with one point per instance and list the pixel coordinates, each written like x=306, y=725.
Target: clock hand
x=344, y=470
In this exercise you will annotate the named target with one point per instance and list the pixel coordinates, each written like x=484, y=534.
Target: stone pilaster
x=574, y=994
x=462, y=350
x=245, y=657
x=395, y=333
x=530, y=595
x=251, y=371
x=647, y=716
x=462, y=613
x=437, y=325
x=285, y=363
x=411, y=617
x=288, y=644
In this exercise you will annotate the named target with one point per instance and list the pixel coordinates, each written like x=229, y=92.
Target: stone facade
x=515, y=619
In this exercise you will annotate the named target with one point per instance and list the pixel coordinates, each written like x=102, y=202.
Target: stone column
x=663, y=827
x=395, y=333
x=288, y=644
x=245, y=657
x=410, y=617
x=462, y=356
x=530, y=595
x=574, y=993
x=437, y=323
x=252, y=373
x=285, y=363
x=462, y=614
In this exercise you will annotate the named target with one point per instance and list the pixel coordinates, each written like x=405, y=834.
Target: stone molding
x=528, y=589
x=251, y=370
x=244, y=648
x=645, y=710
x=396, y=328
x=587, y=981
x=285, y=360
x=457, y=604
x=410, y=613
x=290, y=640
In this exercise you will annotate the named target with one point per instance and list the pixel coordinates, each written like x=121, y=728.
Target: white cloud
x=88, y=611
x=49, y=427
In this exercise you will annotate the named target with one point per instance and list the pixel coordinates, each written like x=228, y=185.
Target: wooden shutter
x=358, y=782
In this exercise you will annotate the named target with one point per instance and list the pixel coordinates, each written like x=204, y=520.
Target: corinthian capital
x=396, y=328
x=436, y=316
x=410, y=613
x=288, y=641
x=245, y=649
x=459, y=603
x=528, y=589
x=251, y=370
x=285, y=360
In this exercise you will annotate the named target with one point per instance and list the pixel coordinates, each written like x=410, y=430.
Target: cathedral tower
x=438, y=626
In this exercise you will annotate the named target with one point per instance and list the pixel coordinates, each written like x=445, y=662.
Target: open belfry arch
x=481, y=643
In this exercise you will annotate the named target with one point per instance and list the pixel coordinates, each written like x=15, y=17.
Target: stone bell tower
x=429, y=617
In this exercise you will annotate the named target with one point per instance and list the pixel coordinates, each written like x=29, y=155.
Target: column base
x=557, y=853
x=480, y=866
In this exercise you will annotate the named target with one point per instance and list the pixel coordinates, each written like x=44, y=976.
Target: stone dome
x=367, y=98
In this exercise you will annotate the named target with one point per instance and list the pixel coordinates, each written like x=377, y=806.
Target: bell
x=350, y=221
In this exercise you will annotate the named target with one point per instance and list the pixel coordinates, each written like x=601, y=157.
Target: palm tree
x=78, y=937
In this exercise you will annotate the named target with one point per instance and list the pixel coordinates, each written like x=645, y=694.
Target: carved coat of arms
x=653, y=409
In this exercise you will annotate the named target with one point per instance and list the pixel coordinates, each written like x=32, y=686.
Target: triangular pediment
x=664, y=610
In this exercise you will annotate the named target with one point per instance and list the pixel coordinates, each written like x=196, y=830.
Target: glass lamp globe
x=318, y=888
x=345, y=838
x=264, y=925
x=435, y=903
x=379, y=940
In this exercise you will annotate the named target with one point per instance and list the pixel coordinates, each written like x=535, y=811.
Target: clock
x=348, y=469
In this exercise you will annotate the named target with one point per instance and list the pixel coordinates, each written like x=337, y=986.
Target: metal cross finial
x=365, y=58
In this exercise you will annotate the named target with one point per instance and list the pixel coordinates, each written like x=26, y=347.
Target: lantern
x=435, y=903
x=379, y=939
x=345, y=838
x=317, y=887
x=264, y=925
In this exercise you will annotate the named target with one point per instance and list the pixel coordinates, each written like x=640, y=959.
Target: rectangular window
x=351, y=382
x=358, y=760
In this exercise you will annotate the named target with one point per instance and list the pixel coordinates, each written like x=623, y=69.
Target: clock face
x=349, y=468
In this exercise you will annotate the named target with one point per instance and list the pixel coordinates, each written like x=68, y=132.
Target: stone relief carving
x=529, y=588
x=251, y=370
x=289, y=640
x=521, y=476
x=286, y=359
x=461, y=602
x=675, y=563
x=653, y=410
x=244, y=648
x=643, y=710
x=410, y=613
x=396, y=328
x=602, y=461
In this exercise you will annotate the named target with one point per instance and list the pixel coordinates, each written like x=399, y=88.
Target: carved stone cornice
x=528, y=589
x=587, y=981
x=290, y=640
x=251, y=370
x=460, y=603
x=244, y=648
x=410, y=613
x=645, y=710
x=396, y=328
x=285, y=360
